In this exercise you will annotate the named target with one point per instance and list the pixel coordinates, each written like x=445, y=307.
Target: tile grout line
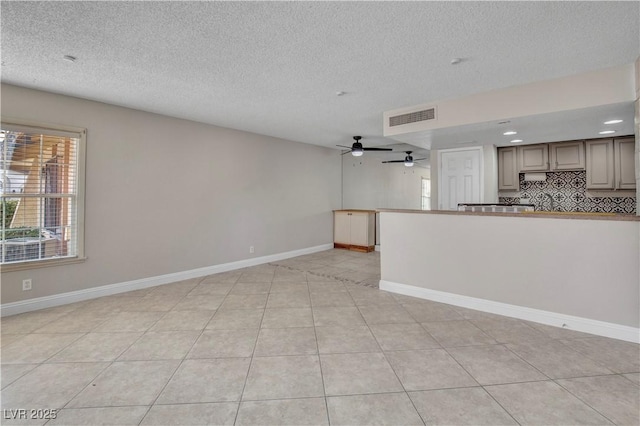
x=121, y=353
x=150, y=406
x=583, y=401
x=324, y=388
x=109, y=363
x=481, y=386
x=396, y=374
x=255, y=344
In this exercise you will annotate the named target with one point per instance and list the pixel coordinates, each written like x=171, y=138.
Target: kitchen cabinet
x=354, y=230
x=610, y=163
x=533, y=158
x=567, y=156
x=624, y=163
x=508, y=177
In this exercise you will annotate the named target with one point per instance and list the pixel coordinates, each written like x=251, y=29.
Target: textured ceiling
x=274, y=67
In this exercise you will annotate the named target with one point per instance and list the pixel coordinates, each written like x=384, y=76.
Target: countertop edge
x=580, y=216
x=357, y=210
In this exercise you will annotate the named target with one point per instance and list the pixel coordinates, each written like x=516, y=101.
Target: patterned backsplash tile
x=569, y=193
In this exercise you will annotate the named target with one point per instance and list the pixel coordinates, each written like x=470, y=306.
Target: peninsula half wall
x=577, y=272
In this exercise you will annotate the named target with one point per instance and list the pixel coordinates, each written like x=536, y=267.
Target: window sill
x=23, y=266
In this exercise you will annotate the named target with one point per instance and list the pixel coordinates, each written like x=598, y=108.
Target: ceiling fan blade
x=394, y=161
x=377, y=149
x=346, y=152
x=419, y=159
x=342, y=146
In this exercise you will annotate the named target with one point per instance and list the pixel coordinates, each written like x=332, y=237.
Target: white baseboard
x=377, y=247
x=110, y=289
x=569, y=322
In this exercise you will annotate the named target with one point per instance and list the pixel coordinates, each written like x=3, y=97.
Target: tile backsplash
x=569, y=193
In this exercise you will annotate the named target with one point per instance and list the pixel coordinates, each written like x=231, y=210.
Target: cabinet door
x=567, y=156
x=600, y=164
x=360, y=229
x=508, y=178
x=624, y=151
x=342, y=227
x=533, y=158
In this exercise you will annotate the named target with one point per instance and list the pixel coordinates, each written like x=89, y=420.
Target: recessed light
x=516, y=140
x=607, y=132
x=510, y=132
x=69, y=58
x=504, y=122
x=340, y=93
x=613, y=122
x=456, y=61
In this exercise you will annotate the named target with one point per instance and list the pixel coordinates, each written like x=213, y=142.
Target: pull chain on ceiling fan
x=408, y=160
x=357, y=149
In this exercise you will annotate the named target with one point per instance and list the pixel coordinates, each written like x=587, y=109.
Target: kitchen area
x=587, y=176
x=560, y=246
x=533, y=204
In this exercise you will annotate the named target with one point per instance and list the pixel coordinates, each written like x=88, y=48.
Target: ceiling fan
x=357, y=149
x=408, y=160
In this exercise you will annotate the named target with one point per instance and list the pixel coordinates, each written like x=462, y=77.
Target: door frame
x=480, y=150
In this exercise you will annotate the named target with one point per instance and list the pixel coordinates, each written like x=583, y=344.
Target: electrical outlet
x=26, y=285
x=251, y=249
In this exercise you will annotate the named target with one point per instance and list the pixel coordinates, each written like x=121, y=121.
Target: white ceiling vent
x=413, y=117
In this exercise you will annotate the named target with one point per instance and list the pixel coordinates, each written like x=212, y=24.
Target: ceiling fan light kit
x=408, y=161
x=357, y=149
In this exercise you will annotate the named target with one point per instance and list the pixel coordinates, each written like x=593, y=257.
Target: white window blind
x=40, y=192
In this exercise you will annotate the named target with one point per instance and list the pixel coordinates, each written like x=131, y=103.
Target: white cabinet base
x=352, y=247
x=354, y=230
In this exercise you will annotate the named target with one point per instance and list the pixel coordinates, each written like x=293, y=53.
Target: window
x=426, y=194
x=42, y=194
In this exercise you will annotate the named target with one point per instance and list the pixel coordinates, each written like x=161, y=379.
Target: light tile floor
x=308, y=340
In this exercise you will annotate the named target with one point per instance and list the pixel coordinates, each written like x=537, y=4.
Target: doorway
x=460, y=172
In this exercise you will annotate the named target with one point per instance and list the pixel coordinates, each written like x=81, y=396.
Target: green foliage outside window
x=9, y=209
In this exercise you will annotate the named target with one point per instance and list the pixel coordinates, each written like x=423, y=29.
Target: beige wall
x=370, y=184
x=165, y=195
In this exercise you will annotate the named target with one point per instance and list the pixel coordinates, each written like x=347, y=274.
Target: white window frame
x=81, y=134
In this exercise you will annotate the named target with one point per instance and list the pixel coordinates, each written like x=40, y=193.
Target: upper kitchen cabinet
x=610, y=163
x=599, y=164
x=533, y=158
x=551, y=157
x=567, y=156
x=508, y=179
x=624, y=164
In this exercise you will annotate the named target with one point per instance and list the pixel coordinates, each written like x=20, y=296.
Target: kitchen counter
x=536, y=214
x=581, y=274
x=355, y=210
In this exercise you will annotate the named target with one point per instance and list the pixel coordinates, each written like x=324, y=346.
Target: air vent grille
x=412, y=117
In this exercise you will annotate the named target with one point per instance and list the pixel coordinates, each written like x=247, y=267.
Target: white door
x=460, y=173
